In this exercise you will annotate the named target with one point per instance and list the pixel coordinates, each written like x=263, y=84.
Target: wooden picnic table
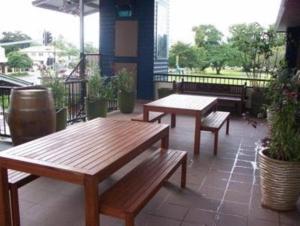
x=197, y=106
x=84, y=154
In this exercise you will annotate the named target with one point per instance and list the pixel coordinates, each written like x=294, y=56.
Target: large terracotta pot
x=280, y=182
x=31, y=113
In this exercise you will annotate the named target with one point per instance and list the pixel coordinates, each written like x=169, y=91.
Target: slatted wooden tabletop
x=184, y=102
x=89, y=151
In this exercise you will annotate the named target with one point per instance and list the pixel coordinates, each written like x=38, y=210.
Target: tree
x=188, y=56
x=14, y=37
x=255, y=44
x=68, y=49
x=90, y=48
x=19, y=60
x=219, y=56
x=207, y=36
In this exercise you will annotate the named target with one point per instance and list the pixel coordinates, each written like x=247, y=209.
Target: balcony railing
x=250, y=82
x=4, y=98
x=76, y=90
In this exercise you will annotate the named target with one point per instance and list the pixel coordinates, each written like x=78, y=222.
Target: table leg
x=165, y=141
x=197, y=140
x=173, y=120
x=91, y=202
x=145, y=114
x=5, y=219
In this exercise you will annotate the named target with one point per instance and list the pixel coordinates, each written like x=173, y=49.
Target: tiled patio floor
x=222, y=190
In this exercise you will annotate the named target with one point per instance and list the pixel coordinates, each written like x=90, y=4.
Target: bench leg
x=227, y=126
x=173, y=120
x=240, y=107
x=159, y=120
x=14, y=202
x=183, y=172
x=129, y=221
x=216, y=142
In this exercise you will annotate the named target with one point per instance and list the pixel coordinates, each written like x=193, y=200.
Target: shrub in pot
x=96, y=102
x=163, y=92
x=126, y=92
x=257, y=101
x=58, y=91
x=279, y=159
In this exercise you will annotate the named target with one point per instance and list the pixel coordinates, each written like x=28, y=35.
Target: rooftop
x=222, y=190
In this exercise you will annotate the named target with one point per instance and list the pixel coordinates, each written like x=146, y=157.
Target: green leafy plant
x=284, y=142
x=58, y=90
x=99, y=87
x=125, y=81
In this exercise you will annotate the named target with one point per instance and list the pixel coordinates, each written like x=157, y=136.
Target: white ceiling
x=68, y=6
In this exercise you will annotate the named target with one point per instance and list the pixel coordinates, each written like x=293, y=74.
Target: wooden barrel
x=31, y=113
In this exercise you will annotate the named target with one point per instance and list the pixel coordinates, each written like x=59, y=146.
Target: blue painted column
x=145, y=13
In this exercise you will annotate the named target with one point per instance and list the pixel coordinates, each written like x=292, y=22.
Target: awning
x=68, y=6
x=289, y=15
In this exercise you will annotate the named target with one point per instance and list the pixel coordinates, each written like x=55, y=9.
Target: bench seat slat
x=214, y=120
x=132, y=192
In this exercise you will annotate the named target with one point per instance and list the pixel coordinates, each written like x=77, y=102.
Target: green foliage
x=219, y=53
x=68, y=49
x=14, y=37
x=98, y=88
x=285, y=134
x=90, y=48
x=207, y=36
x=188, y=56
x=19, y=60
x=256, y=45
x=58, y=91
x=219, y=56
x=125, y=81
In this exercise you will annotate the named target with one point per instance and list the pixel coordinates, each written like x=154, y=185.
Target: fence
x=250, y=82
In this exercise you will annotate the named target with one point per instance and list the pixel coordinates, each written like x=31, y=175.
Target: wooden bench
x=128, y=196
x=226, y=94
x=213, y=123
x=16, y=180
x=153, y=116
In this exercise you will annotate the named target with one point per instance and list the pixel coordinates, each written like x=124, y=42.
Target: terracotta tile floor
x=221, y=191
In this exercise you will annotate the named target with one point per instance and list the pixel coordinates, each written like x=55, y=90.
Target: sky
x=20, y=15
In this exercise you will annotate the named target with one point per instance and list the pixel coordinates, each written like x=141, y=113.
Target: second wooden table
x=186, y=105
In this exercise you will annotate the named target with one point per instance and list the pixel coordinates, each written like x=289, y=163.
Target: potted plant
x=99, y=93
x=58, y=91
x=279, y=159
x=163, y=92
x=126, y=91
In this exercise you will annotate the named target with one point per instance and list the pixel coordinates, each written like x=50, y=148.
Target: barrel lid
x=31, y=89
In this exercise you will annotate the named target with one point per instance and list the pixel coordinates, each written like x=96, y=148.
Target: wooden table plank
x=104, y=139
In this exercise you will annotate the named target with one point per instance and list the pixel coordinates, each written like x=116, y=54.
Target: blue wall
x=145, y=14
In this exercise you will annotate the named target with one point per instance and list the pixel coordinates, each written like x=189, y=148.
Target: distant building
x=44, y=55
x=3, y=60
